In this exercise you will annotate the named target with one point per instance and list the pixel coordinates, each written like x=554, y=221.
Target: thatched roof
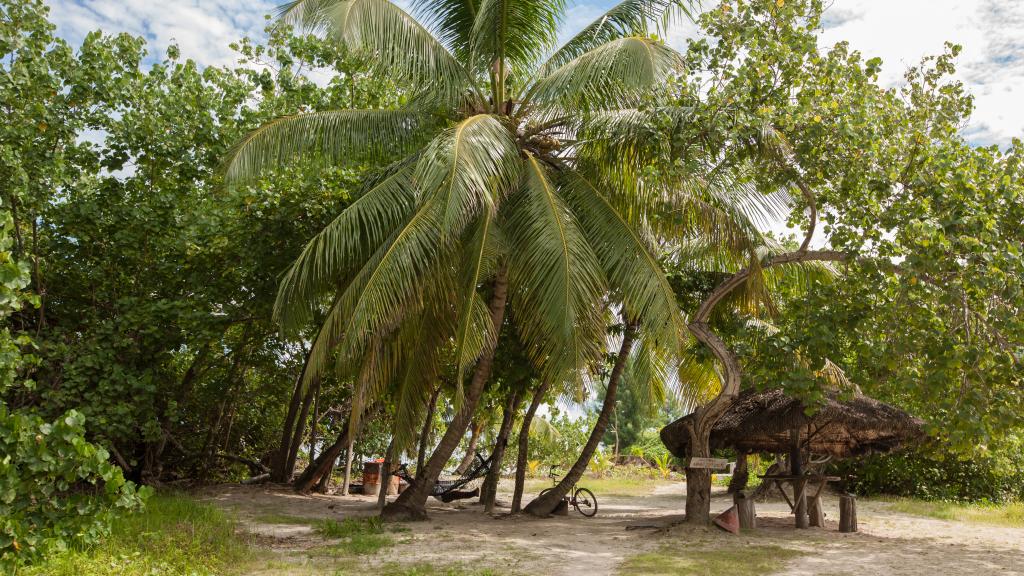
x=762, y=421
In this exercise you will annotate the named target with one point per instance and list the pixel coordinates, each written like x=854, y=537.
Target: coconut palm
x=516, y=176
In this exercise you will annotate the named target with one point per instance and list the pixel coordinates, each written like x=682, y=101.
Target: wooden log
x=847, y=513
x=800, y=503
x=744, y=502
x=817, y=514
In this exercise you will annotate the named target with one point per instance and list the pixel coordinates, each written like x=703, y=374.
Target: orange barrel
x=371, y=478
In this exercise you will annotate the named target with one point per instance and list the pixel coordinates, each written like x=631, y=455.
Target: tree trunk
x=300, y=427
x=489, y=489
x=279, y=471
x=740, y=474
x=348, y=466
x=524, y=445
x=428, y=429
x=385, y=475
x=324, y=463
x=545, y=504
x=467, y=461
x=411, y=504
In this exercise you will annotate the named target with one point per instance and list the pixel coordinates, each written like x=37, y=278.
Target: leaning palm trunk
x=474, y=439
x=411, y=504
x=545, y=504
x=524, y=445
x=489, y=489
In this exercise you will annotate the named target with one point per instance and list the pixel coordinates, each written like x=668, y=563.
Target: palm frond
x=515, y=32
x=335, y=136
x=401, y=47
x=558, y=280
x=469, y=168
x=613, y=75
x=344, y=245
x=451, y=21
x=628, y=259
x=627, y=18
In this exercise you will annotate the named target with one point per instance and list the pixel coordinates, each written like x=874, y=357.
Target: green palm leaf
x=614, y=75
x=627, y=18
x=344, y=245
x=349, y=136
x=400, y=47
x=559, y=284
x=470, y=168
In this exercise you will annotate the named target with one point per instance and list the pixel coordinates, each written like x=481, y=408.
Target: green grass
x=733, y=561
x=1011, y=514
x=359, y=536
x=172, y=535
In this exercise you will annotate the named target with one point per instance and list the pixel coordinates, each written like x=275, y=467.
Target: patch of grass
x=1011, y=514
x=738, y=561
x=359, y=536
x=173, y=535
x=620, y=485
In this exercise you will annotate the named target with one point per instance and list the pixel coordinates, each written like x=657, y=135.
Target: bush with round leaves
x=57, y=489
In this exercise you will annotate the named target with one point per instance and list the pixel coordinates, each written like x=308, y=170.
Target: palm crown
x=515, y=159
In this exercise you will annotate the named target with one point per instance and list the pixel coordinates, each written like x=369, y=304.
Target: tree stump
x=814, y=509
x=745, y=510
x=800, y=503
x=847, y=513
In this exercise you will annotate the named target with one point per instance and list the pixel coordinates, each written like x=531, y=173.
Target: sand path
x=888, y=543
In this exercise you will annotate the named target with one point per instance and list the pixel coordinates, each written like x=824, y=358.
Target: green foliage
x=57, y=490
x=992, y=475
x=172, y=535
x=359, y=536
x=561, y=439
x=1010, y=514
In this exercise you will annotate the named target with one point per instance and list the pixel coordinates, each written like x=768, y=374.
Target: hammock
x=455, y=487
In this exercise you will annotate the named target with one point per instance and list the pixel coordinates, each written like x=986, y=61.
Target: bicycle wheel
x=585, y=502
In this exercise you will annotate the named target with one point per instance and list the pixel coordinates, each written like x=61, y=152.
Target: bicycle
x=581, y=499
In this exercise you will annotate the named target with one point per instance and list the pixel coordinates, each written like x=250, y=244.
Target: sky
x=898, y=31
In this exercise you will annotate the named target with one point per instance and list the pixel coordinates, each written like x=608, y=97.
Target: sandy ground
x=888, y=542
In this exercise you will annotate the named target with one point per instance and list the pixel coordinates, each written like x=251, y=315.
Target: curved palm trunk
x=428, y=428
x=544, y=505
x=489, y=488
x=524, y=445
x=467, y=460
x=411, y=504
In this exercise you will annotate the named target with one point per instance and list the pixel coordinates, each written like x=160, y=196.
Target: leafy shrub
x=994, y=475
x=57, y=490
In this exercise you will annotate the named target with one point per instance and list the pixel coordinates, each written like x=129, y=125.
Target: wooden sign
x=711, y=463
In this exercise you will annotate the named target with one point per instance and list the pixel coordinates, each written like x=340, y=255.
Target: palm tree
x=516, y=178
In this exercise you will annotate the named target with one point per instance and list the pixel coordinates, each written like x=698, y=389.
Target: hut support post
x=847, y=513
x=816, y=512
x=745, y=510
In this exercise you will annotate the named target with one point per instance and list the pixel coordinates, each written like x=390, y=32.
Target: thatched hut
x=766, y=422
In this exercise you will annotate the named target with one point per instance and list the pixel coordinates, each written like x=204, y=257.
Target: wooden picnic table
x=800, y=481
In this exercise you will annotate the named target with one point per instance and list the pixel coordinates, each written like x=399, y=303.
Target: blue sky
x=898, y=31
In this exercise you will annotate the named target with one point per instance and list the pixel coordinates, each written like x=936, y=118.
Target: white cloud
x=902, y=32
x=201, y=28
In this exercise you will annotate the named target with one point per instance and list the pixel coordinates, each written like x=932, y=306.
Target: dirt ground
x=888, y=542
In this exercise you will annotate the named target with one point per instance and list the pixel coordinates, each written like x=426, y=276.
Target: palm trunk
x=467, y=460
x=300, y=427
x=279, y=471
x=348, y=466
x=428, y=429
x=411, y=504
x=545, y=504
x=385, y=475
x=524, y=445
x=489, y=489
